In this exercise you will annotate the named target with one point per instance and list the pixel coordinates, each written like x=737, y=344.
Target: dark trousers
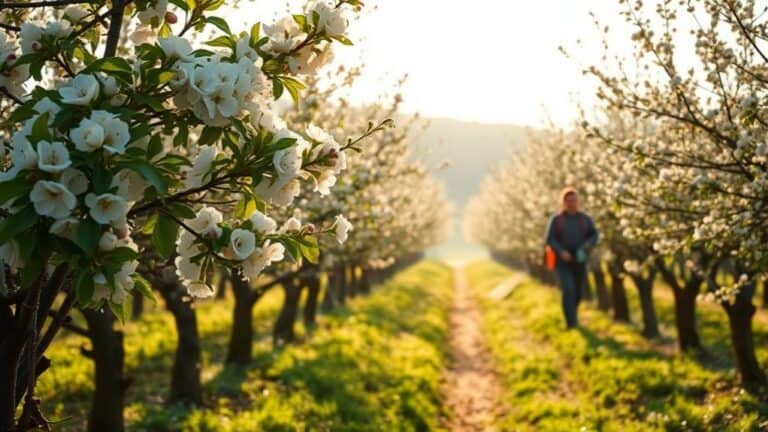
x=572, y=279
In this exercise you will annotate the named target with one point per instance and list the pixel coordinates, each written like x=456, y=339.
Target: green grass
x=605, y=376
x=373, y=365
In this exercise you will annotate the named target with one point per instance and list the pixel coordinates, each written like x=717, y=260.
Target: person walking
x=571, y=236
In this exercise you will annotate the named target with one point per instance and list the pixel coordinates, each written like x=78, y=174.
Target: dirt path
x=472, y=389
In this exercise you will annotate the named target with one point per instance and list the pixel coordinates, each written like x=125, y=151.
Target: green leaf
x=277, y=88
x=220, y=23
x=155, y=146
x=144, y=287
x=153, y=102
x=183, y=5
x=88, y=236
x=343, y=40
x=255, y=32
x=17, y=223
x=165, y=31
x=40, y=130
x=209, y=135
x=294, y=87
x=84, y=288
x=309, y=248
x=301, y=20
x=151, y=174
x=101, y=180
x=12, y=188
x=116, y=64
x=245, y=207
x=181, y=137
x=149, y=225
x=122, y=310
x=121, y=255
x=213, y=5
x=283, y=143
x=292, y=247
x=223, y=42
x=164, y=235
x=181, y=211
x=158, y=77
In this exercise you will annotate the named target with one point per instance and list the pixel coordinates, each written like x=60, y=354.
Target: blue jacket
x=574, y=232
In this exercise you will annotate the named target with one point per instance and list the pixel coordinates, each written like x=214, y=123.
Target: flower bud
x=171, y=18
x=32, y=177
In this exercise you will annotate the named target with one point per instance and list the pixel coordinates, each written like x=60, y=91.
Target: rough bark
x=284, y=329
x=330, y=295
x=618, y=295
x=644, y=286
x=109, y=382
x=341, y=283
x=310, y=304
x=685, y=307
x=221, y=292
x=350, y=278
x=601, y=287
x=10, y=352
x=240, y=342
x=186, y=387
x=365, y=281
x=765, y=294
x=740, y=314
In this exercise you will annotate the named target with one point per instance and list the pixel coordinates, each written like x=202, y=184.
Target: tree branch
x=115, y=26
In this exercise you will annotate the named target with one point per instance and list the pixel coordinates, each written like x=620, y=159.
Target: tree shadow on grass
x=597, y=342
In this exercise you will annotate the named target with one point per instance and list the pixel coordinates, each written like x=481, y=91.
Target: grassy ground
x=605, y=376
x=374, y=365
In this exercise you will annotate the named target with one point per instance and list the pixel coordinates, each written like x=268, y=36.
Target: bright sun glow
x=491, y=61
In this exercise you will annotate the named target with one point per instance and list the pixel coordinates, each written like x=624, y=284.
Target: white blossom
x=342, y=226
x=199, y=172
x=263, y=223
x=243, y=243
x=52, y=199
x=81, y=90
x=106, y=208
x=107, y=241
x=53, y=157
x=75, y=180
x=206, y=222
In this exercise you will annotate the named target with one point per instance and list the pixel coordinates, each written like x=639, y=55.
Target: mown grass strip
x=604, y=376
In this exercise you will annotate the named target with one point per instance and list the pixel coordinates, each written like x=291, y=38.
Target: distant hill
x=471, y=150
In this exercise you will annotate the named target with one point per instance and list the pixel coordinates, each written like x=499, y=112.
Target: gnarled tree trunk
x=685, y=307
x=740, y=314
x=601, y=287
x=284, y=328
x=365, y=281
x=187, y=364
x=109, y=381
x=644, y=286
x=240, y=349
x=310, y=304
x=341, y=283
x=618, y=294
x=353, y=287
x=331, y=293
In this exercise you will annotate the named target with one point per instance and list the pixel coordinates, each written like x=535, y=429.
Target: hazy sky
x=485, y=60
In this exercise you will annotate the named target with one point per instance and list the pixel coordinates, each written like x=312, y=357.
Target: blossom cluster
x=121, y=149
